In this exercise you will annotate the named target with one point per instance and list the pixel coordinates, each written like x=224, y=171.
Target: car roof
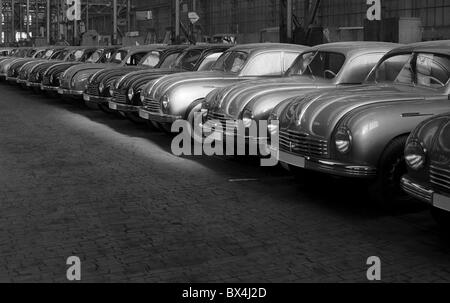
x=441, y=47
x=259, y=47
x=209, y=46
x=356, y=48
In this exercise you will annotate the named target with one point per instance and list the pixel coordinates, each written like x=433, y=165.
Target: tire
x=386, y=190
x=153, y=126
x=166, y=127
x=190, y=115
x=306, y=178
x=134, y=118
x=442, y=218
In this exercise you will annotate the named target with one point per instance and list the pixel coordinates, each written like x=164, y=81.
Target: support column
x=28, y=19
x=177, y=21
x=13, y=27
x=48, y=21
x=114, y=21
x=1, y=21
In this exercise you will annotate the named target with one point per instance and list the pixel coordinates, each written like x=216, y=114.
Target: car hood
x=232, y=100
x=139, y=78
x=319, y=113
x=206, y=79
x=87, y=66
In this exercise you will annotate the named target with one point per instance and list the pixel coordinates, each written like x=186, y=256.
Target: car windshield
x=106, y=56
x=170, y=60
x=324, y=65
x=94, y=56
x=188, y=60
x=151, y=59
x=48, y=54
x=119, y=56
x=231, y=62
x=420, y=69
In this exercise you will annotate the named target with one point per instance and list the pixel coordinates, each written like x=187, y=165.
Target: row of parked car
x=365, y=110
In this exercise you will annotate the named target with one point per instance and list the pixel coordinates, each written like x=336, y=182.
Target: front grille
x=92, y=89
x=152, y=105
x=120, y=96
x=440, y=177
x=46, y=80
x=65, y=83
x=303, y=144
x=228, y=124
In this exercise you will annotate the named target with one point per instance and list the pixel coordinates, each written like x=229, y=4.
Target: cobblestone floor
x=74, y=181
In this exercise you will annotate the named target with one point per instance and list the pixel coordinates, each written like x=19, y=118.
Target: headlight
x=247, y=118
x=101, y=87
x=273, y=124
x=165, y=101
x=111, y=91
x=415, y=155
x=142, y=98
x=72, y=83
x=343, y=140
x=130, y=94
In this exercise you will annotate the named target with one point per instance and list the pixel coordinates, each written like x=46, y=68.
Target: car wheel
x=190, y=115
x=442, y=217
x=134, y=118
x=305, y=177
x=153, y=125
x=386, y=190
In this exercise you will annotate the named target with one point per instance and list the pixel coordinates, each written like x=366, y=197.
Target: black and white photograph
x=224, y=146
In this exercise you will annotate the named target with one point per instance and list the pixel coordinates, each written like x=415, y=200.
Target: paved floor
x=79, y=182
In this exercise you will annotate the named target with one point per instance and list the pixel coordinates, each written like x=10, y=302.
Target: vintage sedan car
x=361, y=131
x=22, y=54
x=51, y=77
x=24, y=72
x=73, y=80
x=427, y=156
x=99, y=88
x=325, y=66
x=36, y=75
x=127, y=89
x=15, y=68
x=177, y=96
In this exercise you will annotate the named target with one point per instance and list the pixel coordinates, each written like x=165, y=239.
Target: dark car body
x=51, y=77
x=361, y=131
x=73, y=80
x=15, y=68
x=22, y=55
x=127, y=89
x=36, y=75
x=99, y=86
x=175, y=96
x=427, y=155
x=348, y=63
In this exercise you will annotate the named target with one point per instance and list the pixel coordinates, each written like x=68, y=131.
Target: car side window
x=432, y=70
x=267, y=64
x=151, y=59
x=360, y=67
x=390, y=69
x=288, y=59
x=135, y=58
x=209, y=61
x=169, y=60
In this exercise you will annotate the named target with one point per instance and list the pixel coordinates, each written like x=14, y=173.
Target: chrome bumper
x=63, y=91
x=325, y=166
x=124, y=107
x=11, y=79
x=157, y=117
x=33, y=84
x=417, y=190
x=49, y=88
x=21, y=81
x=96, y=99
